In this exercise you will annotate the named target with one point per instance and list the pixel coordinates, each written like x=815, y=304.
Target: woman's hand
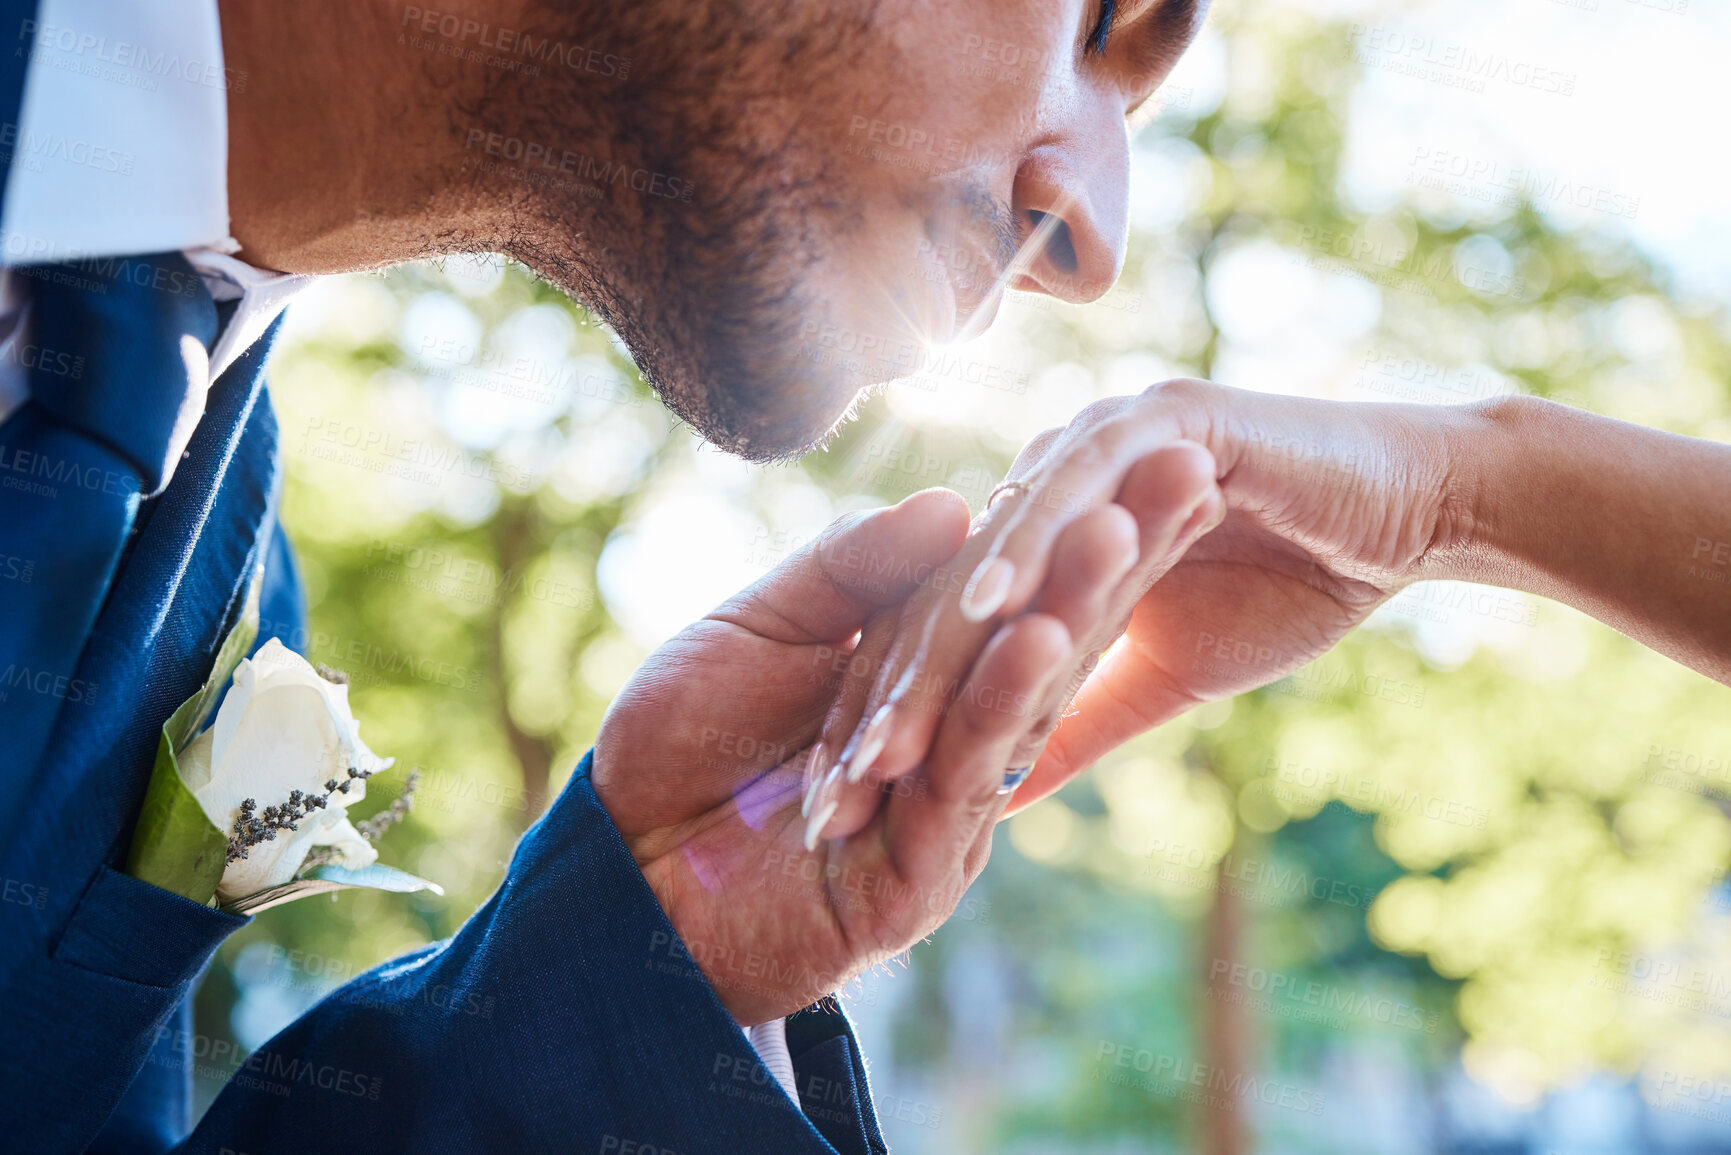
x=1329, y=508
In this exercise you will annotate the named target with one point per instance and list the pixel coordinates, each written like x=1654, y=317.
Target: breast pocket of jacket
x=128, y=929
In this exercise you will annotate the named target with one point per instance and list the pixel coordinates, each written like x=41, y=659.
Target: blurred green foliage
x=1491, y=849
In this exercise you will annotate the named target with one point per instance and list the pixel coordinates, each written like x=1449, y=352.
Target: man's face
x=869, y=178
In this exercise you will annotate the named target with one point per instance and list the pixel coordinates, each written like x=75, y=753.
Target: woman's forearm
x=1628, y=524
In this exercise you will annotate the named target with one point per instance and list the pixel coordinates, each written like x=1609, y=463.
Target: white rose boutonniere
x=278, y=769
x=253, y=811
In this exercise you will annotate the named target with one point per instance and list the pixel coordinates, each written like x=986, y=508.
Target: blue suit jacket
x=564, y=1016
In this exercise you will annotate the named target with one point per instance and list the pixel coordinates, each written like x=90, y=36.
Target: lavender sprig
x=371, y=828
x=252, y=826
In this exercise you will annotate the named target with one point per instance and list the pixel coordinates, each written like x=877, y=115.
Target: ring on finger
x=1019, y=488
x=1014, y=777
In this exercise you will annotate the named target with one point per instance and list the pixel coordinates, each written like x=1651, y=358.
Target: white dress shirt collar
x=121, y=148
x=122, y=140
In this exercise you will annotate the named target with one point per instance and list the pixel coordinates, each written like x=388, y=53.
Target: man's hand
x=1329, y=509
x=700, y=763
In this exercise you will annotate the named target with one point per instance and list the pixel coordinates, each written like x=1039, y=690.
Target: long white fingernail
x=987, y=589
x=872, y=743
x=811, y=779
x=822, y=791
x=815, y=824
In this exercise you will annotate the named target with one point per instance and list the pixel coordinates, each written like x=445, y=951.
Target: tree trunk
x=1226, y=1027
x=514, y=542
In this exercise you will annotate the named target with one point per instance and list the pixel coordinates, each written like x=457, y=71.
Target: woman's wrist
x=1617, y=520
x=1552, y=501
x=1491, y=449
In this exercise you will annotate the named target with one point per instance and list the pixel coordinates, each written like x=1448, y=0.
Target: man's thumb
x=861, y=563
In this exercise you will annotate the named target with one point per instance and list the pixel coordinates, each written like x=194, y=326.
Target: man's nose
x=1073, y=196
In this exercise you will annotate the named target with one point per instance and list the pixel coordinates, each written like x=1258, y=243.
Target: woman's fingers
x=1098, y=572
x=1067, y=548
x=1174, y=497
x=1097, y=550
x=1163, y=489
x=932, y=829
x=823, y=798
x=1127, y=694
x=1092, y=556
x=1080, y=472
x=1169, y=493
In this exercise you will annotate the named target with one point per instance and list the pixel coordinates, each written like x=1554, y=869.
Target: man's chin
x=767, y=427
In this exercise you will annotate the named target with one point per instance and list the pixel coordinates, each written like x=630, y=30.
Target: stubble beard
x=710, y=288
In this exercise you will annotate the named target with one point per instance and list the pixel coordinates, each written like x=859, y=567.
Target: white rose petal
x=281, y=728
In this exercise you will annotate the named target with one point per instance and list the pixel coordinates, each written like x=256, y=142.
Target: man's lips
x=977, y=316
x=975, y=276
x=977, y=300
